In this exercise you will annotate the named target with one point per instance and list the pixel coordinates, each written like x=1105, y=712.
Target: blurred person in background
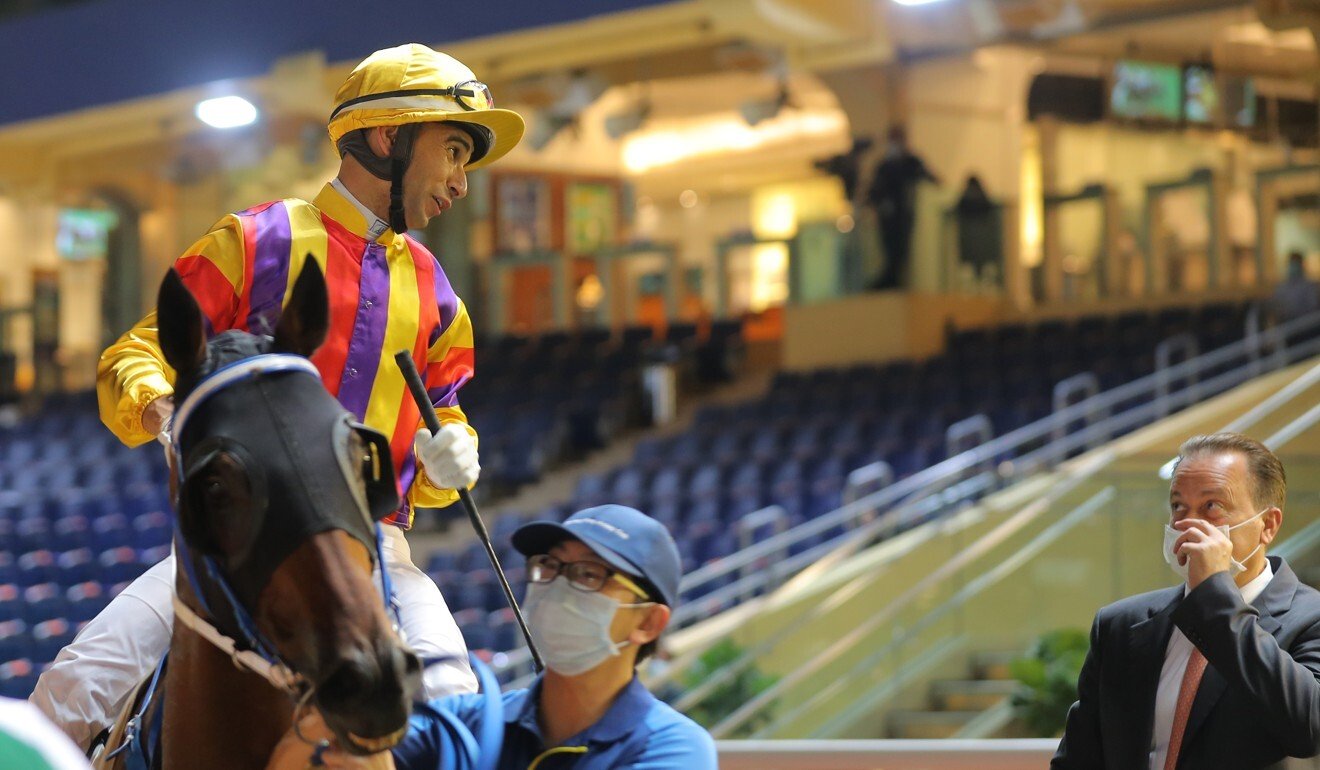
x=409, y=123
x=980, y=232
x=601, y=590
x=1296, y=295
x=1222, y=671
x=893, y=195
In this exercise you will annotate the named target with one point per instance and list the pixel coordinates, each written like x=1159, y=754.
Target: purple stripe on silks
x=270, y=269
x=446, y=299
x=368, y=337
x=447, y=396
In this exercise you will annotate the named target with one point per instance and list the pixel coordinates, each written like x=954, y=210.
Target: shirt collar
x=343, y=207
x=623, y=716
x=1257, y=585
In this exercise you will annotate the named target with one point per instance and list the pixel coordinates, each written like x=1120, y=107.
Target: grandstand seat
x=110, y=531
x=76, y=566
x=49, y=637
x=43, y=601
x=119, y=565
x=85, y=600
x=18, y=678
x=152, y=529
x=37, y=567
x=14, y=639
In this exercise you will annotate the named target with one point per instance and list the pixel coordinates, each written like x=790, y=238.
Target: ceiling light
x=916, y=2
x=226, y=112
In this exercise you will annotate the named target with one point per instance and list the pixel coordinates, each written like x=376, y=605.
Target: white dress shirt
x=1176, y=656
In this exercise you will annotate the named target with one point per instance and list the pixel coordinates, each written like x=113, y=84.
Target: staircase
x=977, y=707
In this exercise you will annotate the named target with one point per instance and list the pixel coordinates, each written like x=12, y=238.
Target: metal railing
x=958, y=562
x=1012, y=456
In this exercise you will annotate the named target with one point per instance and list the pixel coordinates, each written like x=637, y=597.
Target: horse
x=278, y=495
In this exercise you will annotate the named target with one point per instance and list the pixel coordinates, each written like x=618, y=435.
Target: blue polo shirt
x=638, y=731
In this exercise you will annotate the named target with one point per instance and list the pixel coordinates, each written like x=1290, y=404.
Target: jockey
x=409, y=123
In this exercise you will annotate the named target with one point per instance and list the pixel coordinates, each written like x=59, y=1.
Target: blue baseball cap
x=627, y=539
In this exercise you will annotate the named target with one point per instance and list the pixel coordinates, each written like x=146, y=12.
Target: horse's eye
x=215, y=491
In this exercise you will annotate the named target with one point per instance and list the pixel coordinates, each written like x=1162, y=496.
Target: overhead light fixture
x=575, y=92
x=756, y=111
x=226, y=112
x=916, y=2
x=623, y=123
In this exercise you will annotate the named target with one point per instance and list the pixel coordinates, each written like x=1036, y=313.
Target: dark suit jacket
x=1259, y=700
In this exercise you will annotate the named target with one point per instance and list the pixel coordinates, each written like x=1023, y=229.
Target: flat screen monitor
x=1239, y=100
x=1146, y=91
x=1201, y=102
x=84, y=233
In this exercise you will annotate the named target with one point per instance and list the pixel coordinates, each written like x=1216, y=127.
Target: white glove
x=449, y=458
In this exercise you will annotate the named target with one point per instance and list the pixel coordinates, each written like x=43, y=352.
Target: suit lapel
x=1147, y=641
x=1272, y=603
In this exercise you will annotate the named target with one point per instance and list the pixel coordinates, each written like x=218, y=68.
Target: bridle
x=256, y=653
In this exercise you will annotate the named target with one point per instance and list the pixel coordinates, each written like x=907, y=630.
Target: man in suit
x=1221, y=672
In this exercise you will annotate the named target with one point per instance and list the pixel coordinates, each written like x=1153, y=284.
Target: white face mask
x=571, y=628
x=1235, y=567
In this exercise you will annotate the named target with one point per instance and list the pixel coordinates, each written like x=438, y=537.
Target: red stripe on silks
x=343, y=268
x=209, y=286
x=249, y=252
x=445, y=378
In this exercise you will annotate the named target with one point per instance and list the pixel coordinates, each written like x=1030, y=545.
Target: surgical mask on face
x=571, y=628
x=1235, y=567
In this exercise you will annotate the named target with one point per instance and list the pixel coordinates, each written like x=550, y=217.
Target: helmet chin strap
x=398, y=221
x=390, y=168
x=400, y=157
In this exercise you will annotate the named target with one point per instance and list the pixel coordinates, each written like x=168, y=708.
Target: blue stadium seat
x=18, y=678
x=76, y=566
x=49, y=637
x=37, y=567
x=43, y=601
x=119, y=565
x=15, y=640
x=85, y=600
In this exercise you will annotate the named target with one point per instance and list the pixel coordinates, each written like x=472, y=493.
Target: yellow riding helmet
x=413, y=83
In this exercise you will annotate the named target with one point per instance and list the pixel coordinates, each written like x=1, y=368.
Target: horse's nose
x=371, y=694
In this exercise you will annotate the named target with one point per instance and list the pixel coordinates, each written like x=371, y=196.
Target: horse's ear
x=182, y=336
x=306, y=318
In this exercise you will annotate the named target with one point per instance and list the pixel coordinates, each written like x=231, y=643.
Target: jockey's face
x=436, y=176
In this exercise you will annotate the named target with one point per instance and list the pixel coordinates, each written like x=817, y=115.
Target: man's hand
x=449, y=458
x=1203, y=548
x=156, y=417
x=294, y=753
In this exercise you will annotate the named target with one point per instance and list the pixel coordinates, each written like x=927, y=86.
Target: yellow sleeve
x=449, y=366
x=132, y=372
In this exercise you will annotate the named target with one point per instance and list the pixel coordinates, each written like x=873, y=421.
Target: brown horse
x=277, y=494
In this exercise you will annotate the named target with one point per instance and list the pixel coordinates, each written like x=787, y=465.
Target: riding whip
x=404, y=359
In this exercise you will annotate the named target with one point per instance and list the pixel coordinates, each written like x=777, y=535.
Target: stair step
x=928, y=724
x=994, y=665
x=970, y=694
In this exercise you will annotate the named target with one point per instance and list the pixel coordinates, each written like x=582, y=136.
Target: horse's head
x=277, y=496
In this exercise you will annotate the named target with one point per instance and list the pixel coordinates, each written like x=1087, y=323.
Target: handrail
x=878, y=472
x=932, y=480
x=996, y=536
x=912, y=754
x=1086, y=383
x=961, y=597
x=978, y=425
x=1183, y=343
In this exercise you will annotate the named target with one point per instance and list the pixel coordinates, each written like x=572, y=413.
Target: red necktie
x=1186, y=696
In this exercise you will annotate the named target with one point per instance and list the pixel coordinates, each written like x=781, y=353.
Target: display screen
x=1239, y=99
x=1200, y=95
x=84, y=233
x=1146, y=91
